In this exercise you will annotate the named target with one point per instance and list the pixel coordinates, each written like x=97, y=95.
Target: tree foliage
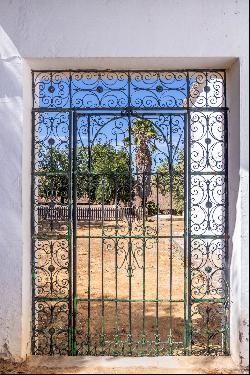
x=105, y=178
x=109, y=174
x=54, y=162
x=103, y=171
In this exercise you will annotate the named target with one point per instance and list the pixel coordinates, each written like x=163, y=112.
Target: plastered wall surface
x=156, y=34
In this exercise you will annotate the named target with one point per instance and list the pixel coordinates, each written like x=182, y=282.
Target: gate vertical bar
x=157, y=339
x=130, y=219
x=102, y=270
x=33, y=226
x=170, y=340
x=70, y=238
x=144, y=261
x=227, y=275
x=74, y=217
x=89, y=236
x=116, y=266
x=185, y=333
x=188, y=218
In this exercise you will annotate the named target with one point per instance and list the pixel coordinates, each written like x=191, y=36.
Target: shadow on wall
x=11, y=115
x=234, y=247
x=10, y=68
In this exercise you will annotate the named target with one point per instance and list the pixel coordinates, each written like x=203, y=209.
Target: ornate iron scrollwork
x=117, y=156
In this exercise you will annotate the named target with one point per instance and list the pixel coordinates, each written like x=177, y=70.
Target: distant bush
x=152, y=208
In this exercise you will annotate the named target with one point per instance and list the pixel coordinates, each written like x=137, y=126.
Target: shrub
x=152, y=208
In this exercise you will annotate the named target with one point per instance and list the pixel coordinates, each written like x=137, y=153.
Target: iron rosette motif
x=207, y=141
x=207, y=89
x=209, y=334
x=208, y=269
x=51, y=137
x=158, y=89
x=98, y=90
x=208, y=205
x=51, y=268
x=51, y=333
x=51, y=90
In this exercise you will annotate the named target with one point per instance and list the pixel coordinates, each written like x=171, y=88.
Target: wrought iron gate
x=129, y=217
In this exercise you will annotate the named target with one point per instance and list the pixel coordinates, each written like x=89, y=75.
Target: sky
x=94, y=95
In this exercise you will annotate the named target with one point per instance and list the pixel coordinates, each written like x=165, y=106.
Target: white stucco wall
x=161, y=34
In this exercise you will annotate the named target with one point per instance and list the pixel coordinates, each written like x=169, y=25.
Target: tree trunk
x=143, y=168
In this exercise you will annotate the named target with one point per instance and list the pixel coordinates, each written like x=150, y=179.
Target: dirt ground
x=129, y=290
x=115, y=265
x=156, y=274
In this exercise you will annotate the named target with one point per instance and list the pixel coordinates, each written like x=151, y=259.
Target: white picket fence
x=61, y=213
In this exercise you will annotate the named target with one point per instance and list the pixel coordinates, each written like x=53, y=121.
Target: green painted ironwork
x=128, y=280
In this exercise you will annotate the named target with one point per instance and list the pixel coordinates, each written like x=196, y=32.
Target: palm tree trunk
x=143, y=167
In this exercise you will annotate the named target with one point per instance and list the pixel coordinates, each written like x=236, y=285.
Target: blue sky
x=95, y=94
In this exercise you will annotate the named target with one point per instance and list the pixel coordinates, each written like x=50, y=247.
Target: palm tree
x=143, y=135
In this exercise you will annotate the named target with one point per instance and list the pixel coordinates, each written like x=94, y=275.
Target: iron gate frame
x=129, y=111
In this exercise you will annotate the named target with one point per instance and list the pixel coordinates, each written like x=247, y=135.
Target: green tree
x=54, y=186
x=110, y=174
x=82, y=169
x=105, y=177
